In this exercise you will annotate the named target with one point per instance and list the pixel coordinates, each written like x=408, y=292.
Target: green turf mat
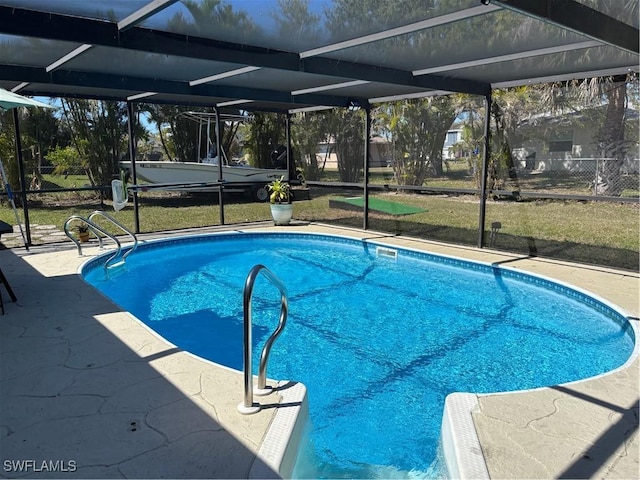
x=375, y=204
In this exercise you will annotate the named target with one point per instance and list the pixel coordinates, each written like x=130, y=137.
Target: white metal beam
x=141, y=95
x=311, y=109
x=220, y=76
x=576, y=16
x=143, y=13
x=509, y=57
x=394, y=32
x=565, y=77
x=81, y=49
x=233, y=102
x=333, y=86
x=408, y=96
x=19, y=87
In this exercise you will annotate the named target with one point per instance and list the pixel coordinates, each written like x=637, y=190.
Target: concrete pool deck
x=86, y=384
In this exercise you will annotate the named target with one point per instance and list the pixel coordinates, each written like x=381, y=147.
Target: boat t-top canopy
x=208, y=118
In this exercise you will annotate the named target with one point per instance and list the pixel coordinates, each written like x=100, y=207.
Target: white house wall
x=583, y=157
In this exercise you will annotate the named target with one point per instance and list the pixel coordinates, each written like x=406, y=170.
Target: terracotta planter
x=281, y=213
x=84, y=236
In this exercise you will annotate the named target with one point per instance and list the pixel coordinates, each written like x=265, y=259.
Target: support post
x=287, y=124
x=485, y=164
x=219, y=154
x=132, y=155
x=23, y=183
x=367, y=134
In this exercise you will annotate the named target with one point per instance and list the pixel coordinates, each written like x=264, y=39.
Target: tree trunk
x=436, y=151
x=347, y=131
x=612, y=144
x=350, y=155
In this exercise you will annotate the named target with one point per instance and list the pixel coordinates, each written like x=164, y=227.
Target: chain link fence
x=577, y=176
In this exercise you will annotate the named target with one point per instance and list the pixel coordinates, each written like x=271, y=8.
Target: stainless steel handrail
x=247, y=406
x=94, y=228
x=121, y=227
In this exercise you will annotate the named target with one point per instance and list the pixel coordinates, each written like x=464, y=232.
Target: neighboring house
x=453, y=136
x=380, y=151
x=379, y=154
x=549, y=143
x=556, y=143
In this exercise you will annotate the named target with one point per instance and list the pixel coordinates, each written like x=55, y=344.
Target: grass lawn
x=593, y=225
x=596, y=223
x=458, y=175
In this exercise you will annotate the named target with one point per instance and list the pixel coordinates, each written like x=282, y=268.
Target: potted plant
x=280, y=198
x=83, y=232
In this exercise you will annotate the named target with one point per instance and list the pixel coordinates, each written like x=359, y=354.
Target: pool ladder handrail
x=248, y=406
x=120, y=226
x=94, y=228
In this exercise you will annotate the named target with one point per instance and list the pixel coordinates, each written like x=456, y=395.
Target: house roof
x=285, y=55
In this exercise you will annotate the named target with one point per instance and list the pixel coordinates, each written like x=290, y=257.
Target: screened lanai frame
x=148, y=51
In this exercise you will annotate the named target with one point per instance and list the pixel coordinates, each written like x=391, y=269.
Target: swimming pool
x=379, y=340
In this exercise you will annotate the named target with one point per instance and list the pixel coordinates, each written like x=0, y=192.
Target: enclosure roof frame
x=218, y=69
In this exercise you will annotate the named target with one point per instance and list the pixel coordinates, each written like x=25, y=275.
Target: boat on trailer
x=190, y=176
x=206, y=174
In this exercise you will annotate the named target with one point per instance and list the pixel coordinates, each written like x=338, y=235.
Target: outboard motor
x=279, y=160
x=279, y=157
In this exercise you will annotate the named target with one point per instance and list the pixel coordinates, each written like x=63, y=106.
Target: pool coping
x=491, y=448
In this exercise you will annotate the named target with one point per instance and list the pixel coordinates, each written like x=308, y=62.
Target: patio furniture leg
x=4, y=281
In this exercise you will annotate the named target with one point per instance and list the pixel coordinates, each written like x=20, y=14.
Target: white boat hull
x=181, y=173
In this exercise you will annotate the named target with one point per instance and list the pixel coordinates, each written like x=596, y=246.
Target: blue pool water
x=379, y=342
